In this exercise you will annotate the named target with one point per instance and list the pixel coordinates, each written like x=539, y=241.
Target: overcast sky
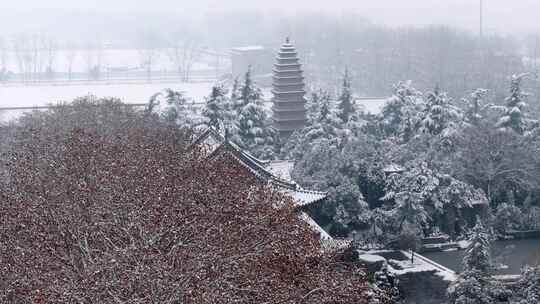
x=500, y=15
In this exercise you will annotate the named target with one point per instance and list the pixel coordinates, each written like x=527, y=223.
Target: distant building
x=288, y=104
x=256, y=56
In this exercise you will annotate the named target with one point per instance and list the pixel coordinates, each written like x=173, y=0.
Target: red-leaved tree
x=103, y=204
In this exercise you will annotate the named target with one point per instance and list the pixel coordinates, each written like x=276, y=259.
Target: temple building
x=274, y=174
x=288, y=104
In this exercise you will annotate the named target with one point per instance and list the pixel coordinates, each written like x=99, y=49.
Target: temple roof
x=276, y=174
x=213, y=143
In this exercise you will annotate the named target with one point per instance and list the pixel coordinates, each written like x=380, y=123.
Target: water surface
x=513, y=254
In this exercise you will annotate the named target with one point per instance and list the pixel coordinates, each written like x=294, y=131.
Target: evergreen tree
x=471, y=287
x=478, y=254
x=439, y=114
x=410, y=192
x=513, y=113
x=235, y=95
x=327, y=110
x=253, y=124
x=313, y=107
x=400, y=115
x=216, y=107
x=175, y=107
x=345, y=100
x=254, y=131
x=474, y=106
x=249, y=92
x=528, y=286
x=475, y=284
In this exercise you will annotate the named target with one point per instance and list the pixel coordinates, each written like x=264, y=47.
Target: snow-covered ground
x=32, y=96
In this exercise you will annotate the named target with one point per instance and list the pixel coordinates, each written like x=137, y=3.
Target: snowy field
x=32, y=96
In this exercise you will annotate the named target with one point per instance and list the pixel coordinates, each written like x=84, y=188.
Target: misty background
x=452, y=44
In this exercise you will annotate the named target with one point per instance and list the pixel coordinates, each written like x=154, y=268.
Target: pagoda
x=289, y=112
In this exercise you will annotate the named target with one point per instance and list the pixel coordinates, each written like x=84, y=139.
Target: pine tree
x=217, y=107
x=513, y=116
x=471, y=288
x=478, y=254
x=528, y=286
x=313, y=108
x=439, y=113
x=249, y=92
x=327, y=110
x=174, y=106
x=474, y=106
x=345, y=102
x=401, y=114
x=235, y=95
x=253, y=129
x=475, y=284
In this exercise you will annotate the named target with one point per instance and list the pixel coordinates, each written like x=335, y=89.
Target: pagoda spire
x=289, y=112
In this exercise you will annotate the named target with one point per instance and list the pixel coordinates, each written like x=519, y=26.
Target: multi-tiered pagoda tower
x=289, y=111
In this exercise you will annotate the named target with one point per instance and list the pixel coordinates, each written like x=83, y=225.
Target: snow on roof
x=371, y=258
x=281, y=168
x=215, y=142
x=393, y=168
x=304, y=197
x=334, y=245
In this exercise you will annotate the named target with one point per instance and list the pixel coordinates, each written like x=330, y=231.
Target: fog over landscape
x=521, y=17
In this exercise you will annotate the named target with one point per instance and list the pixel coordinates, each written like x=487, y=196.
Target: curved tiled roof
x=267, y=171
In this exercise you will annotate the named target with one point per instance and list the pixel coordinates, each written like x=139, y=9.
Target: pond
x=513, y=254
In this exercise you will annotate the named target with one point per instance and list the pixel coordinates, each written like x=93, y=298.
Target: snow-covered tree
x=252, y=125
x=439, y=114
x=254, y=131
x=387, y=281
x=323, y=126
x=345, y=100
x=235, y=94
x=249, y=91
x=478, y=253
x=528, y=286
x=175, y=107
x=313, y=105
x=513, y=113
x=507, y=217
x=475, y=107
x=471, y=287
x=328, y=113
x=409, y=193
x=216, y=109
x=453, y=197
x=475, y=284
x=400, y=115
